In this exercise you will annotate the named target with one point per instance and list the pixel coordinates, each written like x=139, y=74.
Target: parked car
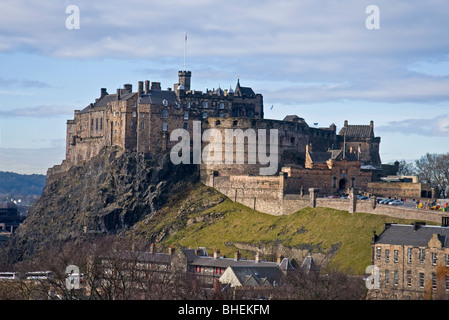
x=395, y=202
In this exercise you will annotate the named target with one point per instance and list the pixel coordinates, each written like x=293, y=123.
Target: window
x=221, y=105
x=164, y=113
x=447, y=283
x=185, y=125
x=186, y=115
x=395, y=256
x=164, y=126
x=421, y=255
x=387, y=255
x=409, y=278
x=101, y=124
x=188, y=105
x=221, y=115
x=387, y=277
x=352, y=182
x=334, y=182
x=396, y=277
x=142, y=125
x=378, y=251
x=204, y=104
x=204, y=115
x=421, y=280
x=434, y=259
x=134, y=114
x=434, y=281
x=114, y=113
x=447, y=260
x=165, y=102
x=409, y=255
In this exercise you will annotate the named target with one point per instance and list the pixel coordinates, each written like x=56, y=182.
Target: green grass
x=320, y=229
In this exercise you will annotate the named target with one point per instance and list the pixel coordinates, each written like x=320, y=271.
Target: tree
x=406, y=168
x=434, y=169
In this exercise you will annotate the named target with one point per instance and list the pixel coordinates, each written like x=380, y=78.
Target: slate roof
x=357, y=131
x=400, y=234
x=226, y=262
x=246, y=92
x=158, y=96
x=320, y=157
x=260, y=274
x=293, y=118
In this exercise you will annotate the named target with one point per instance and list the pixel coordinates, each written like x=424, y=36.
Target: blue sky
x=314, y=58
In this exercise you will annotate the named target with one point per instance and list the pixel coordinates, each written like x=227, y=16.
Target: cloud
x=44, y=111
x=24, y=83
x=433, y=127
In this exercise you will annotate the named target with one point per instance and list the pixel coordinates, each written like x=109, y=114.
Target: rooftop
x=417, y=234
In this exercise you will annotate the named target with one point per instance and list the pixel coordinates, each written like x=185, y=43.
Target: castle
x=142, y=121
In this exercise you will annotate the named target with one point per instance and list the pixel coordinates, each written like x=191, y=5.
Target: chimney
x=257, y=256
x=445, y=221
x=197, y=252
x=371, y=124
x=171, y=250
x=418, y=224
x=118, y=94
x=155, y=85
x=346, y=123
x=147, y=86
x=103, y=92
x=217, y=254
x=237, y=255
x=152, y=248
x=140, y=88
x=279, y=258
x=128, y=87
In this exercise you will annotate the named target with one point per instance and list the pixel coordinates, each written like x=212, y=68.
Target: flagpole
x=185, y=40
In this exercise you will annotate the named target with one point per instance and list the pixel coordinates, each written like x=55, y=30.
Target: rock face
x=107, y=194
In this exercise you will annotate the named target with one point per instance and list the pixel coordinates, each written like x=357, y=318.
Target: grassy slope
x=318, y=228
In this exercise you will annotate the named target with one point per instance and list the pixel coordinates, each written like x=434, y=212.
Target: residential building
x=412, y=261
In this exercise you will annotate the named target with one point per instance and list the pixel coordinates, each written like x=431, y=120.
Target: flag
x=271, y=107
x=185, y=36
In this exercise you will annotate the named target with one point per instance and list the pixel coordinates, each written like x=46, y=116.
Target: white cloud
x=437, y=126
x=44, y=111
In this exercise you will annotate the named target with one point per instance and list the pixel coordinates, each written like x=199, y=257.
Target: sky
x=325, y=61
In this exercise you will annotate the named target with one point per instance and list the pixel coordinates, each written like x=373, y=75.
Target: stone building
x=401, y=186
x=143, y=120
x=412, y=261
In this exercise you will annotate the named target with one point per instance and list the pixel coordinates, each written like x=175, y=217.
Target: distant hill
x=14, y=184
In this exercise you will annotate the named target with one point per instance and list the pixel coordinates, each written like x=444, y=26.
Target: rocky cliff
x=107, y=194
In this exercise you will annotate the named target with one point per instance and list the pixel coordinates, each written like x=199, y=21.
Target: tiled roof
x=357, y=131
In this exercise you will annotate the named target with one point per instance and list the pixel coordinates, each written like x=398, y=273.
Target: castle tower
x=184, y=79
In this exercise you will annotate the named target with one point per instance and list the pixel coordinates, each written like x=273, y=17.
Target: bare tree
x=434, y=169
